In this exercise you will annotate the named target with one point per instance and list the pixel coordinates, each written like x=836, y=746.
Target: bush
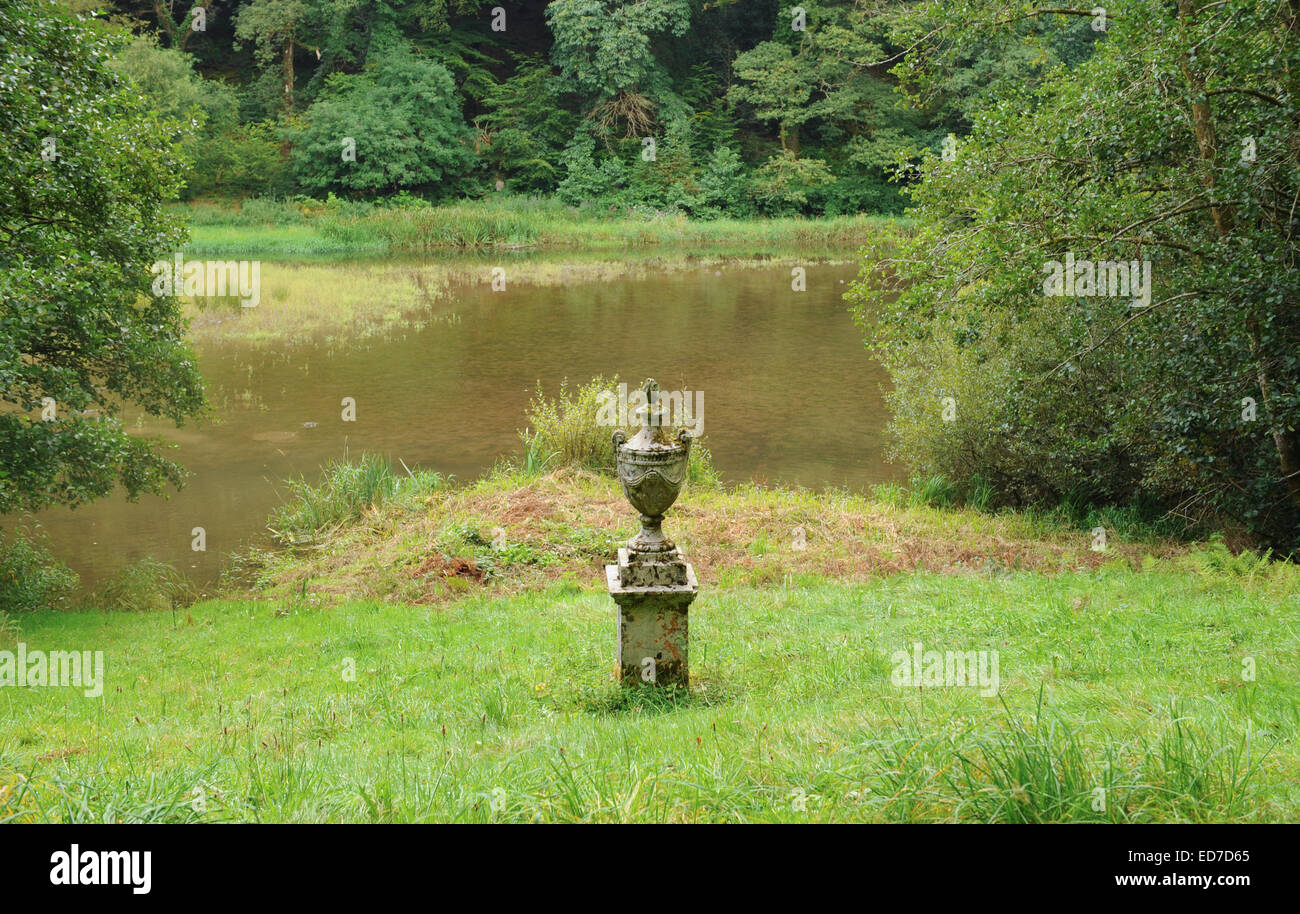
x=781, y=187
x=584, y=180
x=31, y=578
x=722, y=187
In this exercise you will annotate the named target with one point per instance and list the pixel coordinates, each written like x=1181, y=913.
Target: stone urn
x=652, y=585
x=651, y=468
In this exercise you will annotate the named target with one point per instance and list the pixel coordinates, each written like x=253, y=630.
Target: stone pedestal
x=653, y=595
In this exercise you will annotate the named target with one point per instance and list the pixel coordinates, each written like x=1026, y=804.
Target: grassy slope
x=499, y=690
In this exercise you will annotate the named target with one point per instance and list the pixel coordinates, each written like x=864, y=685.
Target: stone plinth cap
x=617, y=589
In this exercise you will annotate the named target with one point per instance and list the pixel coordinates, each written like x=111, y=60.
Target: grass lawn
x=488, y=694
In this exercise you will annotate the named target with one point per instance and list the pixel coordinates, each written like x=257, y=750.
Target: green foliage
x=79, y=231
x=604, y=47
x=722, y=186
x=1133, y=154
x=783, y=185
x=585, y=181
x=527, y=127
x=31, y=577
x=404, y=117
x=666, y=180
x=697, y=78
x=167, y=80
x=346, y=491
x=241, y=161
x=273, y=27
x=229, y=158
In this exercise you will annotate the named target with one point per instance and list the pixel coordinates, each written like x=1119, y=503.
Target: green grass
x=1120, y=679
x=269, y=230
x=347, y=490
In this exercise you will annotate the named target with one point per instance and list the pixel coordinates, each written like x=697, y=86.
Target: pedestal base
x=653, y=633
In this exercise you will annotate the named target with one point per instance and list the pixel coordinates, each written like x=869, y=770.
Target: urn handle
x=619, y=438
x=684, y=438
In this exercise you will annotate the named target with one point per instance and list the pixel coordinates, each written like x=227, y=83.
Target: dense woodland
x=737, y=107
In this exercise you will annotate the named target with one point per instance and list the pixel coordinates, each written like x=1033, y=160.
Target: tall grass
x=346, y=491
x=145, y=585
x=1044, y=772
x=934, y=491
x=270, y=228
x=9, y=630
x=566, y=431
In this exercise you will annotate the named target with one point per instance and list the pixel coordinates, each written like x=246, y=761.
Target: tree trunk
x=287, y=69
x=1225, y=218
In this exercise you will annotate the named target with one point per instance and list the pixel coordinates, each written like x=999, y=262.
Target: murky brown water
x=790, y=395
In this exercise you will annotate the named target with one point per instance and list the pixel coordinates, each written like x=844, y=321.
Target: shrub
x=722, y=187
x=30, y=577
x=584, y=180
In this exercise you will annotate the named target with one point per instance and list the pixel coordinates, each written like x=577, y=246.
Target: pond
x=441, y=369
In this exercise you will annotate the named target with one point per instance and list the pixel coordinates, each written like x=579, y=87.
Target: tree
x=82, y=218
x=827, y=78
x=1174, y=145
x=526, y=127
x=275, y=26
x=722, y=185
x=605, y=49
x=403, y=119
x=228, y=156
x=585, y=181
